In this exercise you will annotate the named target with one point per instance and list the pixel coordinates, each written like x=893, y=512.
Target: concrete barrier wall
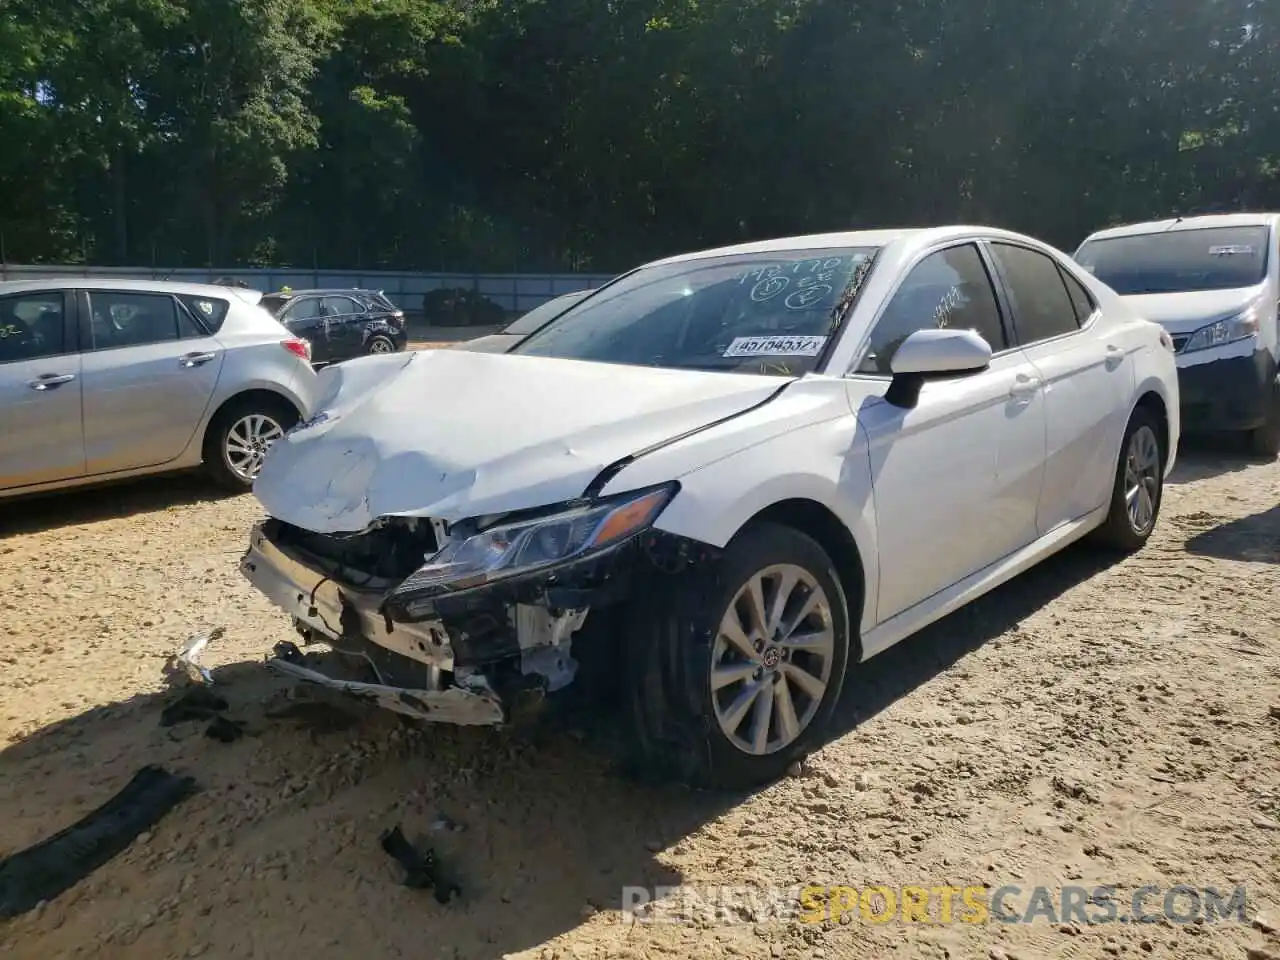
x=516, y=293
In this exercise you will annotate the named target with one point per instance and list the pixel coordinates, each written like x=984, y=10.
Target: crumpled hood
x=1188, y=312
x=452, y=434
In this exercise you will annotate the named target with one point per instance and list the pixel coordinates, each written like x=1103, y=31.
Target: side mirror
x=931, y=354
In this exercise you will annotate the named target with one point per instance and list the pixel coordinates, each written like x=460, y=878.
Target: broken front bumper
x=337, y=613
x=333, y=610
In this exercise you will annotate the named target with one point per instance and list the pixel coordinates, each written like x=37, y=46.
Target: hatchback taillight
x=298, y=347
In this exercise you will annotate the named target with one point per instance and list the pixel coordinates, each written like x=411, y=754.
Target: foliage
x=592, y=134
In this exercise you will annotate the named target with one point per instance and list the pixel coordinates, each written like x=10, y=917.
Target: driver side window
x=949, y=289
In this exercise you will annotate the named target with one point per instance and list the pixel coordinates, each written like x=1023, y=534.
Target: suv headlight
x=1239, y=327
x=526, y=546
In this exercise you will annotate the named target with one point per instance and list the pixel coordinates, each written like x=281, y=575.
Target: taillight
x=298, y=347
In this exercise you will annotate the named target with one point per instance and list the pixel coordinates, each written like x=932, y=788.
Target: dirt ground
x=1086, y=724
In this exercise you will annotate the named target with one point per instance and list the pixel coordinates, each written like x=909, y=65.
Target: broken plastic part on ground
x=41, y=872
x=421, y=871
x=186, y=661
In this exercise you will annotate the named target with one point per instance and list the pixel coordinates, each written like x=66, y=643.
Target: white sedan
x=713, y=484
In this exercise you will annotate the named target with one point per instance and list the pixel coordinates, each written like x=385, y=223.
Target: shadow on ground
x=1254, y=539
x=281, y=844
x=124, y=498
x=1205, y=457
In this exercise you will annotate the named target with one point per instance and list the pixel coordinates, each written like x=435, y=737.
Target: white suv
x=105, y=379
x=1213, y=282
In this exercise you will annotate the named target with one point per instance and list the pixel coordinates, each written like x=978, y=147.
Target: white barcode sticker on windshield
x=776, y=347
x=1231, y=250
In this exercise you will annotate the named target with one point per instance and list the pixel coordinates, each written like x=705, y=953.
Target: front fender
x=827, y=463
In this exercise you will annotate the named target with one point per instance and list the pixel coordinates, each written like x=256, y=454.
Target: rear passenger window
x=1042, y=309
x=1080, y=298
x=127, y=319
x=31, y=326
x=210, y=311
x=339, y=307
x=947, y=289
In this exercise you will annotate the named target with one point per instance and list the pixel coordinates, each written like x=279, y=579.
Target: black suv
x=340, y=324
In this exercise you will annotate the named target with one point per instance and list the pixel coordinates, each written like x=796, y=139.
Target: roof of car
x=851, y=238
x=1202, y=222
x=312, y=291
x=126, y=283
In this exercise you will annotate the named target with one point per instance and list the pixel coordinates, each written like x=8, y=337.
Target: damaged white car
x=716, y=482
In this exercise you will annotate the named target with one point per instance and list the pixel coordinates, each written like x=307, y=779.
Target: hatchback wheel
x=239, y=438
x=381, y=344
x=735, y=668
x=1139, y=485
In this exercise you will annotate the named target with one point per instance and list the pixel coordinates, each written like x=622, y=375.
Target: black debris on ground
x=420, y=868
x=224, y=730
x=196, y=703
x=44, y=871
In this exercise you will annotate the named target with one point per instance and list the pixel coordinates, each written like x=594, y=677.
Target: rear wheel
x=240, y=436
x=381, y=344
x=735, y=668
x=1264, y=441
x=1138, y=487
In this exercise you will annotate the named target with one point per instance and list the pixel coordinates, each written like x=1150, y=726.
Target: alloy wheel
x=1142, y=478
x=247, y=443
x=772, y=658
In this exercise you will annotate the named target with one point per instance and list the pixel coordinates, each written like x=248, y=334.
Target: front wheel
x=1264, y=441
x=381, y=344
x=1139, y=485
x=736, y=668
x=239, y=438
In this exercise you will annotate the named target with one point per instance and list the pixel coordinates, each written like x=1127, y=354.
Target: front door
x=956, y=478
x=149, y=374
x=41, y=435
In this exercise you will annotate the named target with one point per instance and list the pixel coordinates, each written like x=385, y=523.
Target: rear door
x=150, y=370
x=1088, y=381
x=41, y=434
x=346, y=318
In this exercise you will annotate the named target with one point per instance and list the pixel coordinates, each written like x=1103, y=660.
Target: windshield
x=1179, y=261
x=540, y=314
x=768, y=313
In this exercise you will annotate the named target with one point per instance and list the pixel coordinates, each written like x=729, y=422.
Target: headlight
x=1224, y=331
x=527, y=546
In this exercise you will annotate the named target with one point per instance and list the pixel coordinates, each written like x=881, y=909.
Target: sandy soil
x=1086, y=724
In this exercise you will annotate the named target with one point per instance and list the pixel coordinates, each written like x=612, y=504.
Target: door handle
x=49, y=381
x=1115, y=356
x=1024, y=388
x=196, y=359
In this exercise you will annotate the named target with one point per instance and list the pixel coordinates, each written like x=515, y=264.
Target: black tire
x=1119, y=532
x=380, y=344
x=216, y=463
x=669, y=654
x=1264, y=441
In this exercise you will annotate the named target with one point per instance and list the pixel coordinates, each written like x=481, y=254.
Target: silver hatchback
x=106, y=379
